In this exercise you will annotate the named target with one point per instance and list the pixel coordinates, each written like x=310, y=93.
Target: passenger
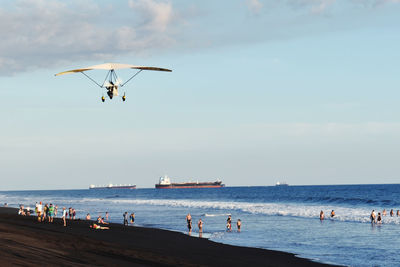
x=88, y=217
x=200, y=225
x=239, y=224
x=379, y=220
x=64, y=216
x=332, y=213
x=391, y=213
x=384, y=212
x=132, y=218
x=125, y=215
x=373, y=217
x=321, y=215
x=189, y=222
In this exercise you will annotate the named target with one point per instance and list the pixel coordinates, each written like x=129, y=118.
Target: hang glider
x=112, y=82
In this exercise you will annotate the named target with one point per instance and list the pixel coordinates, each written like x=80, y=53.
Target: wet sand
x=26, y=242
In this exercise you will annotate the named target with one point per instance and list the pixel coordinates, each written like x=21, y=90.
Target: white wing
x=112, y=66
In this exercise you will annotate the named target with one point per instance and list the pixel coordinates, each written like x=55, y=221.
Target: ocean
x=278, y=218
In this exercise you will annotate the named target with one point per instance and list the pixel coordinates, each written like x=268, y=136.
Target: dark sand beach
x=26, y=242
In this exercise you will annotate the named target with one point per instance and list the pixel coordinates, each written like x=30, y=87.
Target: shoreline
x=27, y=242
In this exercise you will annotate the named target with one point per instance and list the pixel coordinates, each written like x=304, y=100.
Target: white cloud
x=42, y=34
x=254, y=6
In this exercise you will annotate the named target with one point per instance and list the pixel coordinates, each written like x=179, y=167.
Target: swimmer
x=239, y=224
x=200, y=225
x=379, y=220
x=384, y=212
x=391, y=213
x=321, y=215
x=332, y=213
x=373, y=217
x=189, y=222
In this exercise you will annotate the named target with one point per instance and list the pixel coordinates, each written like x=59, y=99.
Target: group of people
x=322, y=215
x=130, y=217
x=378, y=219
x=200, y=224
x=374, y=218
x=45, y=212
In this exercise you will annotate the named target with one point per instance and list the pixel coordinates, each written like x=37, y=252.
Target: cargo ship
x=165, y=182
x=113, y=186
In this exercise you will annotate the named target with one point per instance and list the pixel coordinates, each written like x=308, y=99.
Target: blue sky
x=304, y=91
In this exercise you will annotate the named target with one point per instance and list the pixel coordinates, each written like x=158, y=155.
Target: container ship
x=165, y=182
x=113, y=186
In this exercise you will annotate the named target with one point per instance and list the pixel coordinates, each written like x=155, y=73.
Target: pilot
x=103, y=99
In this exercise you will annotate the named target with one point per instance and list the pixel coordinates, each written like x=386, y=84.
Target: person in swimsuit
x=189, y=222
x=391, y=213
x=200, y=225
x=106, y=215
x=96, y=226
x=373, y=217
x=229, y=223
x=239, y=224
x=332, y=213
x=132, y=218
x=88, y=217
x=398, y=213
x=384, y=212
x=73, y=214
x=379, y=220
x=70, y=213
x=321, y=215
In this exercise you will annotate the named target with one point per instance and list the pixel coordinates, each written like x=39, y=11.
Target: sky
x=302, y=91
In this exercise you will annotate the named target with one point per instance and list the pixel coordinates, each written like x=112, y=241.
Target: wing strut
x=92, y=79
x=131, y=78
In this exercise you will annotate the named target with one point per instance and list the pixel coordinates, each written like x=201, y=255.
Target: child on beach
x=132, y=218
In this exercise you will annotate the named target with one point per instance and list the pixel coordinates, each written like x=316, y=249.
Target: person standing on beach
x=70, y=213
x=200, y=225
x=51, y=213
x=55, y=210
x=87, y=217
x=64, y=216
x=39, y=211
x=132, y=218
x=125, y=215
x=189, y=222
x=106, y=215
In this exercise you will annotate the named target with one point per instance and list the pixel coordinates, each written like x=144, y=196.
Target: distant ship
x=113, y=186
x=281, y=184
x=165, y=182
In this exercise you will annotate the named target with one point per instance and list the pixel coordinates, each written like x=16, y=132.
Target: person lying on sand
x=96, y=226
